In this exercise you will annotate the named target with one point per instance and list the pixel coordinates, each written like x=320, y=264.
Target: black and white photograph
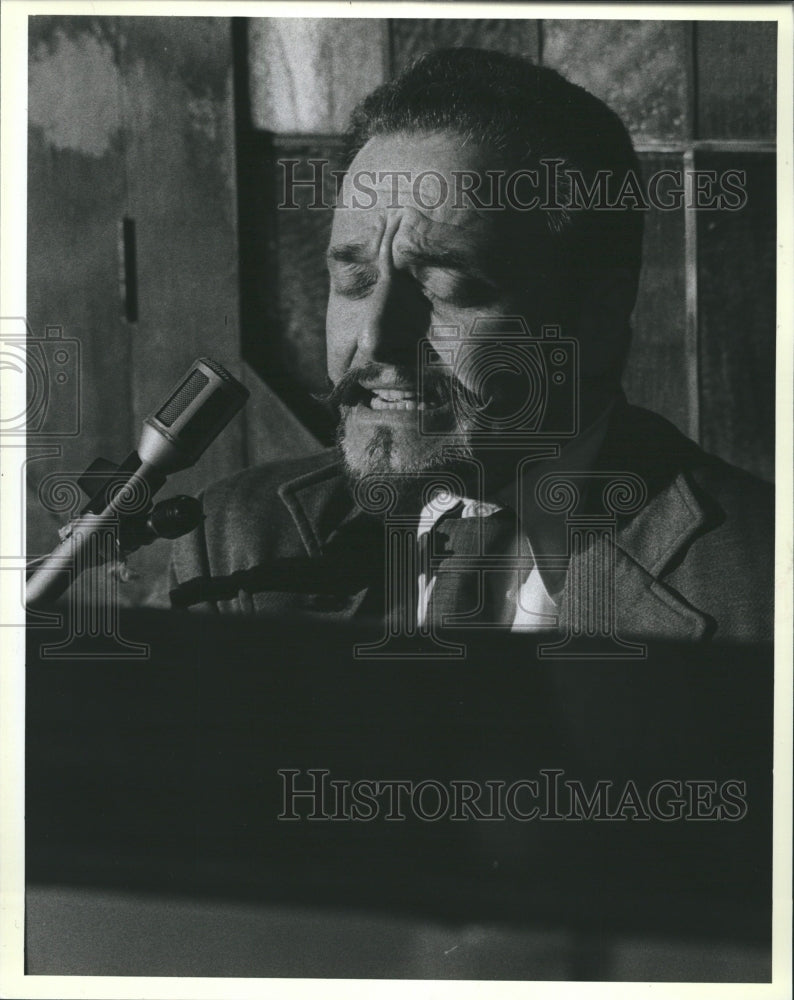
x=397, y=460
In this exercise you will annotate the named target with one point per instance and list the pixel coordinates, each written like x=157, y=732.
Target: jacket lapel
x=644, y=548
x=318, y=502
x=651, y=541
x=328, y=523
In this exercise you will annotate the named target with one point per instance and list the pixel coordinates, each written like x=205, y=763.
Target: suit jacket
x=695, y=562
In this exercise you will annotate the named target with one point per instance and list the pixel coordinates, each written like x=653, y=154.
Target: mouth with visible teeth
x=393, y=399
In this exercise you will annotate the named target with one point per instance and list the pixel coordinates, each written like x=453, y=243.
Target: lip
x=363, y=412
x=390, y=395
x=387, y=386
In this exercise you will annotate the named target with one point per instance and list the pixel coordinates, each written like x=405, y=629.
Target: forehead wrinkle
x=421, y=245
x=412, y=239
x=378, y=248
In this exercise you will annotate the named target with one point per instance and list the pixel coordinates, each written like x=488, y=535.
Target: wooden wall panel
x=307, y=74
x=75, y=203
x=410, y=37
x=736, y=296
x=180, y=164
x=179, y=156
x=737, y=78
x=134, y=118
x=639, y=68
x=658, y=367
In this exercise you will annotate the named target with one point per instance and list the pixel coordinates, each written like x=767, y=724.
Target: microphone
x=196, y=411
x=174, y=437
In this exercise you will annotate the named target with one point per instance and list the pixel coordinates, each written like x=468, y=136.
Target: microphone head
x=200, y=405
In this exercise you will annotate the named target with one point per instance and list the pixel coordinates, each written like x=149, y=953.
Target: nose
x=395, y=318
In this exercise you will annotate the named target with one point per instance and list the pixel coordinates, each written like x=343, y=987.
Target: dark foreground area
x=579, y=819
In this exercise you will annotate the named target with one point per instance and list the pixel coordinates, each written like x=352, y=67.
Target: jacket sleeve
x=189, y=561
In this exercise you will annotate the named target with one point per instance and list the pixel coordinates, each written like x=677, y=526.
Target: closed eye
x=353, y=281
x=457, y=290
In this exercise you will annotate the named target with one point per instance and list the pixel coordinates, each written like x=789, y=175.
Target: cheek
x=340, y=339
x=450, y=340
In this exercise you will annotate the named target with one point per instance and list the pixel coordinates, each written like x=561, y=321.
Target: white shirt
x=536, y=603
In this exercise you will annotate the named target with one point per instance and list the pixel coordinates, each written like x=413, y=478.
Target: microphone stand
x=173, y=437
x=118, y=519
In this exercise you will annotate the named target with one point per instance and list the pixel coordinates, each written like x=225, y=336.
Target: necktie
x=477, y=569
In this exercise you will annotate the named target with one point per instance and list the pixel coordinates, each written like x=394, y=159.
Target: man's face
x=400, y=269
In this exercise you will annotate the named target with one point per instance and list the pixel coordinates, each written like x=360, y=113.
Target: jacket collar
x=320, y=503
x=645, y=544
x=650, y=541
x=324, y=511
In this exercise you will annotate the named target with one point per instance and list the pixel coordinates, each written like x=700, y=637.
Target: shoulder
x=660, y=451
x=724, y=563
x=732, y=508
x=729, y=493
x=741, y=510
x=741, y=491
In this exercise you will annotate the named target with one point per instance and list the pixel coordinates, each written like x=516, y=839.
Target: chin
x=395, y=449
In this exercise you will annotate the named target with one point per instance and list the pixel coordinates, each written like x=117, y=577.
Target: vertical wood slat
x=691, y=342
x=76, y=200
x=691, y=351
x=692, y=84
x=410, y=37
x=737, y=74
x=637, y=67
x=736, y=317
x=657, y=371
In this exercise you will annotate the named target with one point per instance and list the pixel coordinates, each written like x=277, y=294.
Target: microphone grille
x=183, y=396
x=219, y=370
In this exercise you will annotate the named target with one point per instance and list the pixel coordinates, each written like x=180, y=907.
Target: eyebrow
x=360, y=253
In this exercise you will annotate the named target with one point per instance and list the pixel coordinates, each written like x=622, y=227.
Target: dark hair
x=528, y=114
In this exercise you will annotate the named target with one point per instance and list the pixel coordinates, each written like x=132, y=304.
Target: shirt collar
x=546, y=532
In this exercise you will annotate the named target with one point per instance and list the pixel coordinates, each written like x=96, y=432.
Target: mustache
x=437, y=387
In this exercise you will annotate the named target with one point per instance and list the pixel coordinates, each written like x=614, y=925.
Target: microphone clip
x=142, y=525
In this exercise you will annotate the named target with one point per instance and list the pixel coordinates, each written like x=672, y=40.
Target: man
x=477, y=325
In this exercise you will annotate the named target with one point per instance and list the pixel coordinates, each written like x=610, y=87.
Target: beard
x=432, y=438
x=408, y=450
